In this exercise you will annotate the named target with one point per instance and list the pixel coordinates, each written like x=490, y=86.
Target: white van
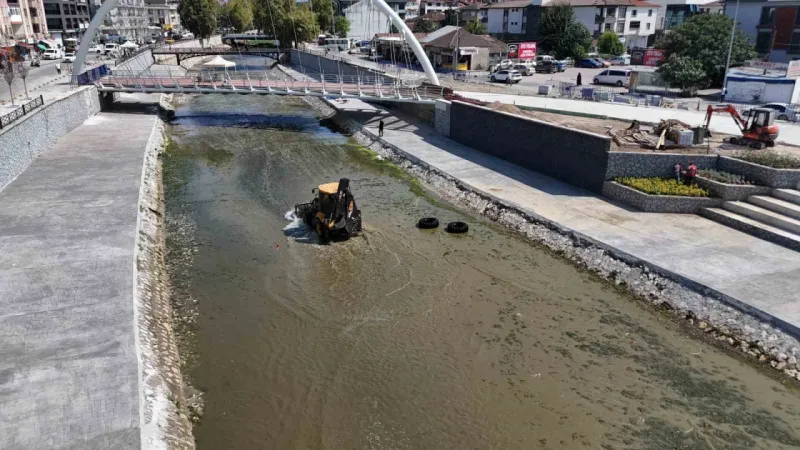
x=540, y=58
x=618, y=77
x=111, y=49
x=52, y=53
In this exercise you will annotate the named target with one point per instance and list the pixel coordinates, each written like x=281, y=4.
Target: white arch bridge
x=370, y=87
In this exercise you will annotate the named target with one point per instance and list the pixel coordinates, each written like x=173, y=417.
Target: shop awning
x=41, y=47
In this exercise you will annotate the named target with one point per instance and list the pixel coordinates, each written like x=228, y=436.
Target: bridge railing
x=167, y=50
x=389, y=69
x=334, y=85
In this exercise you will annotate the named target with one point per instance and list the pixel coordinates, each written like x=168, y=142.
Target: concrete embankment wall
x=36, y=132
x=318, y=64
x=574, y=156
x=145, y=59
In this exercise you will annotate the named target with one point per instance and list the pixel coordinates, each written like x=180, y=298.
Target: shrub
x=770, y=159
x=724, y=177
x=663, y=186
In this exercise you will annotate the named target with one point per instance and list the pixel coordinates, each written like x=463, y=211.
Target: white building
x=129, y=19
x=21, y=21
x=508, y=17
x=366, y=21
x=672, y=13
x=634, y=21
x=163, y=14
x=438, y=6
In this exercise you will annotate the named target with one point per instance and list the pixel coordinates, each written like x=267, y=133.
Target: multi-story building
x=634, y=21
x=66, y=18
x=128, y=20
x=774, y=26
x=438, y=6
x=672, y=13
x=21, y=21
x=163, y=14
x=366, y=21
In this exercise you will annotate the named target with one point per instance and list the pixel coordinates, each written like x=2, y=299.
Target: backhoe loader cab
x=760, y=117
x=333, y=214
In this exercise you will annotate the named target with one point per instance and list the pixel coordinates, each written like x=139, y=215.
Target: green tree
x=342, y=26
x=562, y=35
x=424, y=26
x=199, y=17
x=684, y=72
x=476, y=27
x=240, y=14
x=609, y=44
x=705, y=38
x=323, y=9
x=288, y=21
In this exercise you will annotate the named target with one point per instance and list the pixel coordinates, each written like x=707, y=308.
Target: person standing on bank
x=380, y=129
x=578, y=81
x=58, y=68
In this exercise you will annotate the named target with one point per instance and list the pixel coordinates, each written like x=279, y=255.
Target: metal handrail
x=26, y=108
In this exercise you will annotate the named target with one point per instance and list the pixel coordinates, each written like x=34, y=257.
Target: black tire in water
x=457, y=227
x=427, y=223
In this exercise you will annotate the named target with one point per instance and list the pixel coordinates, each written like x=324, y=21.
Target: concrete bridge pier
x=107, y=100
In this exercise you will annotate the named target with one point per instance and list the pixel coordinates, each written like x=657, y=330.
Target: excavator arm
x=741, y=123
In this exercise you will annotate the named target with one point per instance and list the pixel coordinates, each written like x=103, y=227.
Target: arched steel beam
x=412, y=41
x=88, y=35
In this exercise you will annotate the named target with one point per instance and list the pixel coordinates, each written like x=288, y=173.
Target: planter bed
x=767, y=176
x=731, y=192
x=657, y=203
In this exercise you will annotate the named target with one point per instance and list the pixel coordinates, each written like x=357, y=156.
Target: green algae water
x=414, y=339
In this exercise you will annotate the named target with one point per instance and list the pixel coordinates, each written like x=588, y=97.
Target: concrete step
x=764, y=215
x=790, y=195
x=753, y=227
x=775, y=204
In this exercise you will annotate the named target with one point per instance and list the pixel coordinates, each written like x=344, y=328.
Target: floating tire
x=457, y=227
x=427, y=223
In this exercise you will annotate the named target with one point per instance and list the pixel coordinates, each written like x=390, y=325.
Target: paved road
x=790, y=133
x=38, y=77
x=760, y=274
x=68, y=364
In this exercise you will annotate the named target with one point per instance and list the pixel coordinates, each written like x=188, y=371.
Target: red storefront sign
x=522, y=50
x=653, y=57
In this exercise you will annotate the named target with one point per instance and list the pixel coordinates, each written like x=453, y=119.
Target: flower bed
x=663, y=186
x=770, y=159
x=659, y=203
x=729, y=186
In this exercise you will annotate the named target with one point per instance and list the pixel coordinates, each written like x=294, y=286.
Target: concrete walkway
x=68, y=362
x=755, y=272
x=790, y=133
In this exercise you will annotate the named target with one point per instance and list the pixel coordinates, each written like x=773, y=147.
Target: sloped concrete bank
x=165, y=414
x=694, y=304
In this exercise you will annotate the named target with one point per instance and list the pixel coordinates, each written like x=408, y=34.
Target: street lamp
x=730, y=50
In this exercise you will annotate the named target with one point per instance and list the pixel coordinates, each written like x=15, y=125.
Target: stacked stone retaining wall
x=767, y=176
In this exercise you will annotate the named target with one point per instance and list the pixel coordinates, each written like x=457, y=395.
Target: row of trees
x=285, y=19
x=10, y=70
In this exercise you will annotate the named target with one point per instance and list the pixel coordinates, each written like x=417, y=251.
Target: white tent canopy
x=219, y=61
x=129, y=44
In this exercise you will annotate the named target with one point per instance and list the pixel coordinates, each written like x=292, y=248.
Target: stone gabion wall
x=36, y=132
x=732, y=192
x=657, y=203
x=649, y=164
x=777, y=178
x=318, y=64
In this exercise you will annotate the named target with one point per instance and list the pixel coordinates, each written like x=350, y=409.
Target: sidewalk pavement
x=790, y=133
x=758, y=273
x=68, y=361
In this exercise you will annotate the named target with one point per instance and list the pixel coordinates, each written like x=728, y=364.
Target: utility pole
x=730, y=50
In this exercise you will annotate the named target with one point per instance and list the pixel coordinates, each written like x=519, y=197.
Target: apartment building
x=163, y=14
x=21, y=21
x=634, y=21
x=66, y=18
x=774, y=27
x=129, y=20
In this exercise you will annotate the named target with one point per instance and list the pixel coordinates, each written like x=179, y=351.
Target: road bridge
x=189, y=52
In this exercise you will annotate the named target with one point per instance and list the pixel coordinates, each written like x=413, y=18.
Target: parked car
x=547, y=66
x=784, y=111
x=51, y=53
x=506, y=63
x=618, y=77
x=506, y=76
x=69, y=57
x=97, y=48
x=541, y=58
x=621, y=60
x=589, y=63
x=524, y=69
x=603, y=62
x=111, y=49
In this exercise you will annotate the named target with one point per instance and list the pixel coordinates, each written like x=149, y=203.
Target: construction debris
x=672, y=129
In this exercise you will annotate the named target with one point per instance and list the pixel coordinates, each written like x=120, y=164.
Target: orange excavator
x=758, y=130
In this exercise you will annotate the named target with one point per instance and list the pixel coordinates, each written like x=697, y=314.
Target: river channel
x=415, y=339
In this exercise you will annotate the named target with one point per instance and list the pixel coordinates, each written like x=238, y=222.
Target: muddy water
x=416, y=339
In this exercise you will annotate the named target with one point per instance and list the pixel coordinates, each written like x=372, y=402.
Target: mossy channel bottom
x=408, y=338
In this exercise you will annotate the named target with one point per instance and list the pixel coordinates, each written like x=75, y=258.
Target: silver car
x=784, y=111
